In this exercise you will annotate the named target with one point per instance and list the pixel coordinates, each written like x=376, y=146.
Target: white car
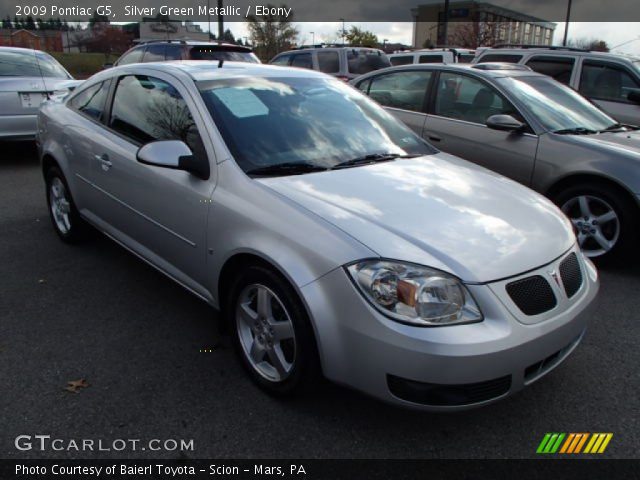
x=332, y=237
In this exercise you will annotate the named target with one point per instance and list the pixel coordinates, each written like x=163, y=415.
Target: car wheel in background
x=604, y=220
x=272, y=332
x=63, y=212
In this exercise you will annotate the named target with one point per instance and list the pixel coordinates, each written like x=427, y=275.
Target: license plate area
x=32, y=99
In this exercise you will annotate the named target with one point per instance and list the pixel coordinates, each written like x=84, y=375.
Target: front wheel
x=272, y=332
x=604, y=220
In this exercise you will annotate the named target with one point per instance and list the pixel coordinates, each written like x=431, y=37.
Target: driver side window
x=147, y=109
x=464, y=98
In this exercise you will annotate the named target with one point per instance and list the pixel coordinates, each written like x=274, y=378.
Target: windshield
x=556, y=106
x=316, y=121
x=203, y=53
x=24, y=64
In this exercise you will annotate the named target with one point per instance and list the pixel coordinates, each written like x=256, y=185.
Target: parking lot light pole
x=566, y=25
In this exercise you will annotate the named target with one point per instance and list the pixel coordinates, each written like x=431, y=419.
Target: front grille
x=538, y=369
x=448, y=395
x=532, y=295
x=571, y=275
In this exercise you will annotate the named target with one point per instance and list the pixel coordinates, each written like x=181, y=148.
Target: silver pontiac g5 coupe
x=334, y=240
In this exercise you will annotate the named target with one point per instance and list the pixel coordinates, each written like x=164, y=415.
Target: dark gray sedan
x=28, y=78
x=532, y=129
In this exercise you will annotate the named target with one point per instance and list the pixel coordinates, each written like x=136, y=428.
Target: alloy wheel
x=60, y=205
x=266, y=332
x=595, y=222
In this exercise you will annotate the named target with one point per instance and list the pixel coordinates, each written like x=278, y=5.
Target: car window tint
x=605, y=81
x=302, y=60
x=173, y=52
x=559, y=68
x=402, y=60
x=500, y=57
x=465, y=98
x=91, y=101
x=29, y=63
x=328, y=62
x=134, y=56
x=404, y=90
x=146, y=109
x=154, y=53
x=431, y=59
x=364, y=61
x=281, y=60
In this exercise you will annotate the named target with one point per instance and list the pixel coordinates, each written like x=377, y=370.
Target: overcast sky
x=614, y=33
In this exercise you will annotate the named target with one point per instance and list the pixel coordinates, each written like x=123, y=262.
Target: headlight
x=414, y=294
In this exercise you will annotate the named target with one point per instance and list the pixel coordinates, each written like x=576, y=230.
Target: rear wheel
x=272, y=332
x=64, y=215
x=604, y=220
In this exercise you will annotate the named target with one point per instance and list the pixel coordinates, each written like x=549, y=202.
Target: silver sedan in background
x=332, y=238
x=28, y=78
x=532, y=129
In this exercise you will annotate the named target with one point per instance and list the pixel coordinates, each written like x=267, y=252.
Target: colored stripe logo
x=573, y=443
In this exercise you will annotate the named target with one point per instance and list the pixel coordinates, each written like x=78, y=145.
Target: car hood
x=437, y=210
x=35, y=84
x=621, y=142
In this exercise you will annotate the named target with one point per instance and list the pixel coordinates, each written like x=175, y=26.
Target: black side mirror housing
x=634, y=96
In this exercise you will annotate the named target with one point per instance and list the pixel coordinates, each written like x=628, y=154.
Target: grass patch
x=83, y=65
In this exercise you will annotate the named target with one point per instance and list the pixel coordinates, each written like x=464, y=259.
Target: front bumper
x=18, y=127
x=398, y=363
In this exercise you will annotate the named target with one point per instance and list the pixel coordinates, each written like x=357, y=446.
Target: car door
x=458, y=110
x=89, y=107
x=403, y=93
x=609, y=84
x=159, y=213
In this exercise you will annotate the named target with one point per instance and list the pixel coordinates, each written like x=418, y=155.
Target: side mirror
x=634, y=96
x=173, y=154
x=504, y=122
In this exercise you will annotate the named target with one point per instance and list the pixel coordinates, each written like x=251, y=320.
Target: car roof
x=502, y=70
x=308, y=49
x=193, y=43
x=557, y=51
x=20, y=49
x=203, y=70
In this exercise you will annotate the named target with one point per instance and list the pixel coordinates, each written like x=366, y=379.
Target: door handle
x=434, y=138
x=104, y=160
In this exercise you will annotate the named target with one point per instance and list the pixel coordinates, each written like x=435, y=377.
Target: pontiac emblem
x=554, y=275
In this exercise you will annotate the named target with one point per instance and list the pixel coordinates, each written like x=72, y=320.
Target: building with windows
x=474, y=24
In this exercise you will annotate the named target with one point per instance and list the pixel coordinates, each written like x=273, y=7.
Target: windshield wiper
x=613, y=128
x=368, y=159
x=287, y=168
x=575, y=131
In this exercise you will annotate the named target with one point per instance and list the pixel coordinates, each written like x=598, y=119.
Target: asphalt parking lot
x=98, y=313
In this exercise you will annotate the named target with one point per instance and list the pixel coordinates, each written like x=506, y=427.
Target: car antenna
x=46, y=91
x=220, y=63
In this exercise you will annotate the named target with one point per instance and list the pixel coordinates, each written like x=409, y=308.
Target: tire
x=278, y=350
x=62, y=210
x=607, y=227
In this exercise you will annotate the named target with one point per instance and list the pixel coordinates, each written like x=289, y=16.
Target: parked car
x=27, y=78
x=331, y=236
x=166, y=50
x=432, y=55
x=342, y=62
x=610, y=80
x=532, y=129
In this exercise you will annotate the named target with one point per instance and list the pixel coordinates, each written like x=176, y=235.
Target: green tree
x=6, y=23
x=94, y=20
x=228, y=37
x=30, y=24
x=271, y=34
x=361, y=38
